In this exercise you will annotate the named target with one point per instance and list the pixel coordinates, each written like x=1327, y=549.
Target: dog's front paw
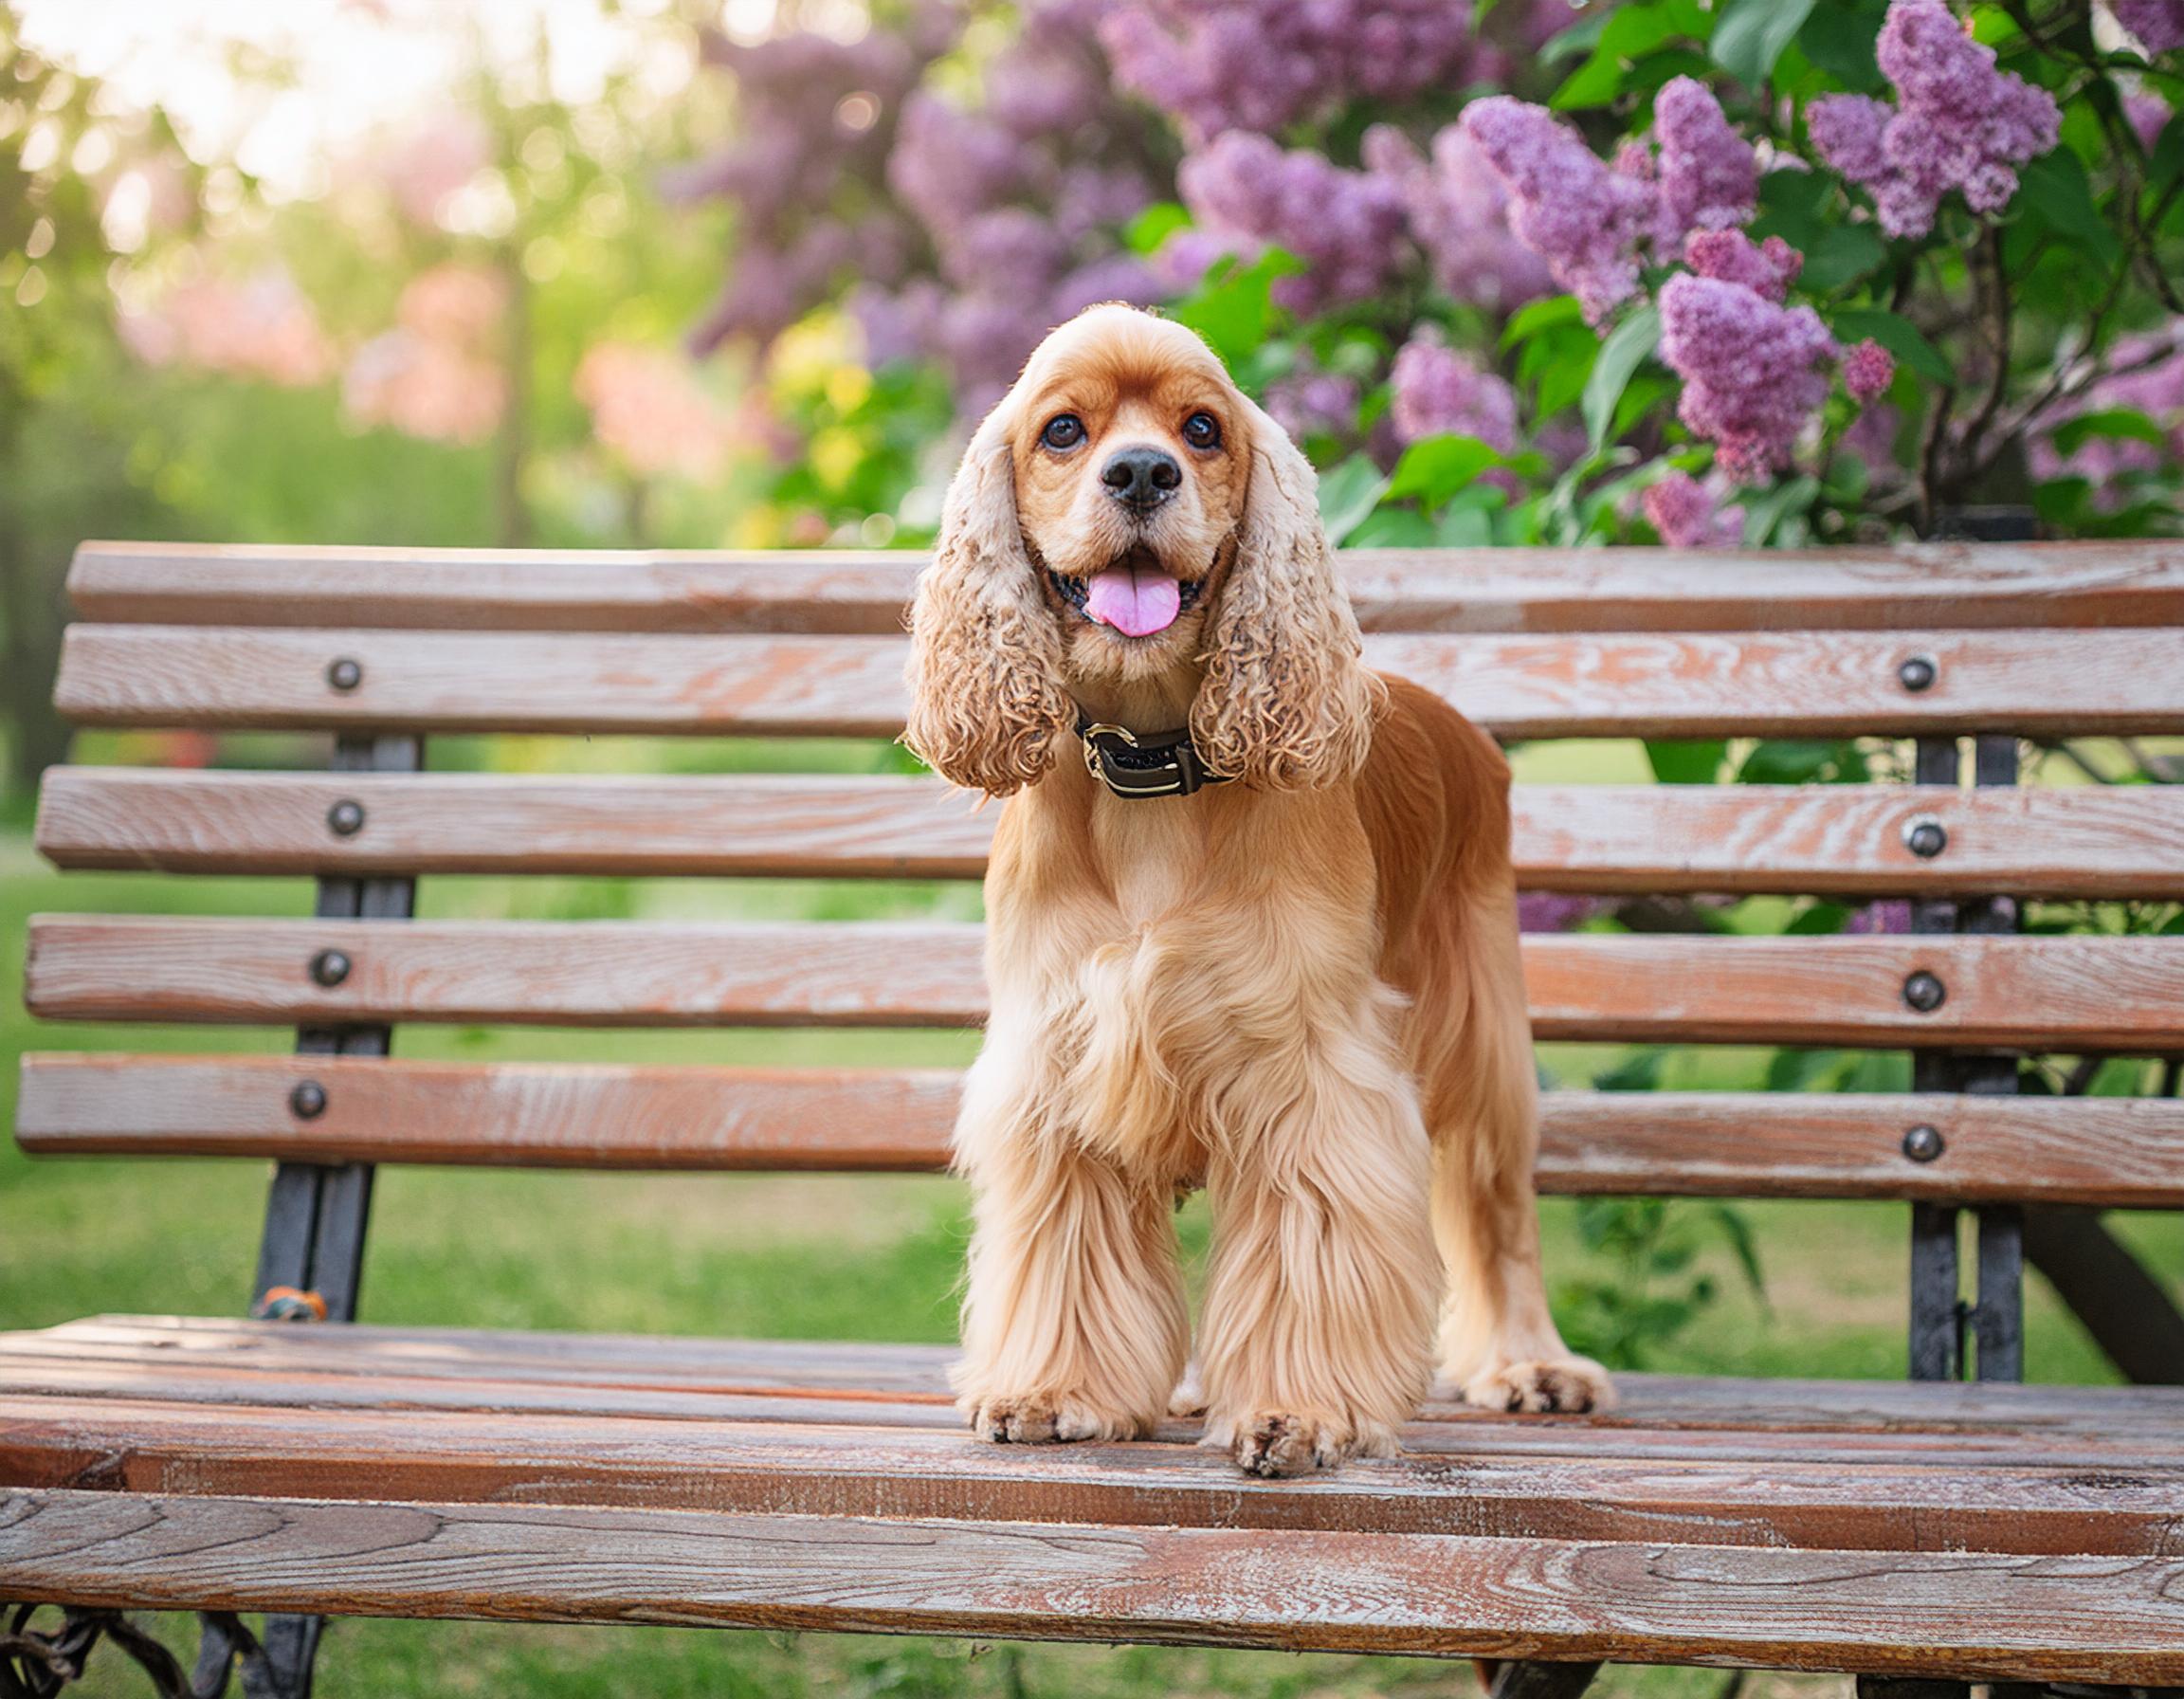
x=1275, y=1445
x=1569, y=1384
x=1045, y=1418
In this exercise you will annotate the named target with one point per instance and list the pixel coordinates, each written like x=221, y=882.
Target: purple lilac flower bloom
x=1459, y=214
x=1555, y=912
x=1683, y=511
x=1708, y=175
x=1750, y=370
x=1570, y=208
x=1435, y=390
x=1957, y=122
x=2148, y=115
x=1891, y=915
x=1868, y=371
x=1309, y=401
x=1346, y=226
x=1213, y=65
x=1766, y=267
x=2158, y=24
x=2156, y=388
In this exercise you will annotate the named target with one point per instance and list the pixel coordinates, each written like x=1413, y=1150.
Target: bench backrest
x=2000, y=641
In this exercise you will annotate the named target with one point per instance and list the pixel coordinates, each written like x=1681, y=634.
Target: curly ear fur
x=1286, y=702
x=987, y=704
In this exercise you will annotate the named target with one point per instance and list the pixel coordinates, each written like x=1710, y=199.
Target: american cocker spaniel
x=1251, y=926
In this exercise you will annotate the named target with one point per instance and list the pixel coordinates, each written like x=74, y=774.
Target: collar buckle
x=1159, y=764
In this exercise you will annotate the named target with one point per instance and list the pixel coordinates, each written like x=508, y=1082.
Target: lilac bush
x=1884, y=264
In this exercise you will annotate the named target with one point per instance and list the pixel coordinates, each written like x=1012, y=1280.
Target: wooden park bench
x=1944, y=1530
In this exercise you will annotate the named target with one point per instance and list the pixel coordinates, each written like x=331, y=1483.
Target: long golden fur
x=1300, y=990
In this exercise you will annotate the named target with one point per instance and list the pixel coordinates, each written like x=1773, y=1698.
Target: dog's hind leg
x=1499, y=1342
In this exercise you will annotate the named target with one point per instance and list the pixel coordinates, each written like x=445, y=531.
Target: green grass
x=812, y=1256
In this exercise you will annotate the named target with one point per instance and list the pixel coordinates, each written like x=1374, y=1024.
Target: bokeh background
x=692, y=274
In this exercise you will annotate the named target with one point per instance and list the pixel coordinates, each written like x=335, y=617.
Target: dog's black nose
x=1141, y=478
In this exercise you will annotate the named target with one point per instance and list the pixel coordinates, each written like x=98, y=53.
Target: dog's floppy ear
x=1286, y=704
x=987, y=704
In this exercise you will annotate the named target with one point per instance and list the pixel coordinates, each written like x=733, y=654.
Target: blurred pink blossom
x=648, y=408
x=433, y=375
x=264, y=328
x=2156, y=388
x=428, y=166
x=1765, y=267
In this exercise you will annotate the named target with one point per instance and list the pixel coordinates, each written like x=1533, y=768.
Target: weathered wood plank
x=1912, y=586
x=1654, y=686
x=483, y=1367
x=2106, y=1618
x=2051, y=993
x=1838, y=840
x=2109, y=1152
x=1913, y=1502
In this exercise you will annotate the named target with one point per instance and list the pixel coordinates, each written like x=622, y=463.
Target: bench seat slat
x=1910, y=586
x=2110, y=1152
x=486, y=1363
x=2008, y=1615
x=1837, y=840
x=2065, y=994
x=2038, y=683
x=2017, y=1497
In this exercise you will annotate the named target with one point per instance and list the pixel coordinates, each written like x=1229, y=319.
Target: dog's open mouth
x=1137, y=595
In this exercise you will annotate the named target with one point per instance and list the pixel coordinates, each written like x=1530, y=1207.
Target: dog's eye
x=1202, y=431
x=1063, y=430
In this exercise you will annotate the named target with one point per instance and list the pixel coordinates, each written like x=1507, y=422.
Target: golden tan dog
x=1299, y=989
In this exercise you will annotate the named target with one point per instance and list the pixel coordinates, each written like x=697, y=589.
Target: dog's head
x=1125, y=516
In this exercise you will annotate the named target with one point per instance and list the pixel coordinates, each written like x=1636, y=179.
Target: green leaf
x=2115, y=423
x=1627, y=348
x=1694, y=762
x=1550, y=314
x=2056, y=187
x=2166, y=163
x=1393, y=528
x=1154, y=226
x=1899, y=336
x=1463, y=527
x=1233, y=309
x=1842, y=254
x=1766, y=510
x=1580, y=37
x=1347, y=493
x=1839, y=38
x=1750, y=35
x=1435, y=468
x=1632, y=30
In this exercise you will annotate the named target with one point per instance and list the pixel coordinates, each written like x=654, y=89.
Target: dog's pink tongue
x=1136, y=603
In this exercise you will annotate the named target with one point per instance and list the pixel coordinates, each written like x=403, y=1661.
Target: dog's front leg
x=1317, y=1341
x=1074, y=1323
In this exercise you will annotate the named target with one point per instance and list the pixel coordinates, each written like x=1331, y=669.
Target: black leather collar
x=1161, y=764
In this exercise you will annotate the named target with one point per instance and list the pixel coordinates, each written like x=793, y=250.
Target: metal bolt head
x=1917, y=674
x=345, y=819
x=308, y=1101
x=1925, y=837
x=329, y=968
x=345, y=673
x=1922, y=1144
x=1924, y=992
